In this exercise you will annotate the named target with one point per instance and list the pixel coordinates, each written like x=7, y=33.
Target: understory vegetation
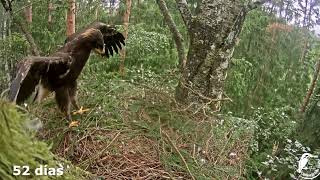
x=136, y=129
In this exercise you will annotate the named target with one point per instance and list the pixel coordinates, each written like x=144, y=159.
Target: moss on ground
x=18, y=146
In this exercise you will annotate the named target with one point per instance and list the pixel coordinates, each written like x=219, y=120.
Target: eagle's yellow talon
x=74, y=124
x=80, y=111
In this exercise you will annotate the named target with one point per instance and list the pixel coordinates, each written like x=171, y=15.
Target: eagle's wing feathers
x=23, y=70
x=113, y=39
x=30, y=71
x=113, y=42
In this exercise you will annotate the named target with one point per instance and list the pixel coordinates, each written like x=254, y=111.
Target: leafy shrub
x=148, y=48
x=272, y=130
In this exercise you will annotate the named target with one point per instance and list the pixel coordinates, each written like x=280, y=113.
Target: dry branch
x=96, y=156
x=177, y=151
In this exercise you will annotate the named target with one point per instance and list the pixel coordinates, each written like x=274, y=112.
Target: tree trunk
x=126, y=25
x=213, y=33
x=96, y=13
x=304, y=49
x=50, y=8
x=212, y=38
x=28, y=12
x=177, y=37
x=4, y=24
x=311, y=88
x=71, y=17
x=7, y=47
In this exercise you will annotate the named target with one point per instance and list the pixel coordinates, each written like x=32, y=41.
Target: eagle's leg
x=73, y=97
x=63, y=101
x=42, y=93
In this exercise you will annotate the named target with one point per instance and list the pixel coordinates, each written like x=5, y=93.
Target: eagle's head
x=94, y=39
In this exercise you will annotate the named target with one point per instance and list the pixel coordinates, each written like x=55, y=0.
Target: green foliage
x=19, y=147
x=272, y=127
x=12, y=49
x=47, y=36
x=266, y=82
x=309, y=123
x=148, y=48
x=270, y=71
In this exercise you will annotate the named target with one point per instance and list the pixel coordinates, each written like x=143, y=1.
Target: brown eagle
x=58, y=72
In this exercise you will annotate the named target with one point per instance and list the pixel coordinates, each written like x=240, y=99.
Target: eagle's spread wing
x=30, y=71
x=113, y=42
x=113, y=39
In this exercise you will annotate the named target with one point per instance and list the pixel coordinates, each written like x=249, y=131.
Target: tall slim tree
x=50, y=8
x=28, y=12
x=126, y=17
x=71, y=17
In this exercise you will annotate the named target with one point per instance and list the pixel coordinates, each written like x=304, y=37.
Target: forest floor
x=136, y=130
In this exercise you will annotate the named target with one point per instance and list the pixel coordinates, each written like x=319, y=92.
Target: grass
x=136, y=130
x=19, y=147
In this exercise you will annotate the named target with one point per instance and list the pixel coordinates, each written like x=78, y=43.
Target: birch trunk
x=212, y=38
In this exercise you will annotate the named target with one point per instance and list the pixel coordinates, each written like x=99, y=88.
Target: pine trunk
x=50, y=8
x=28, y=12
x=71, y=17
x=126, y=25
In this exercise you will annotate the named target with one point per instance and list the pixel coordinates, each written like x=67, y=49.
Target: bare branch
x=177, y=151
x=175, y=32
x=184, y=11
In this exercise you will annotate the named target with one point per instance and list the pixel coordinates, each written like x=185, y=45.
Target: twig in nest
x=101, y=152
x=177, y=150
x=225, y=146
